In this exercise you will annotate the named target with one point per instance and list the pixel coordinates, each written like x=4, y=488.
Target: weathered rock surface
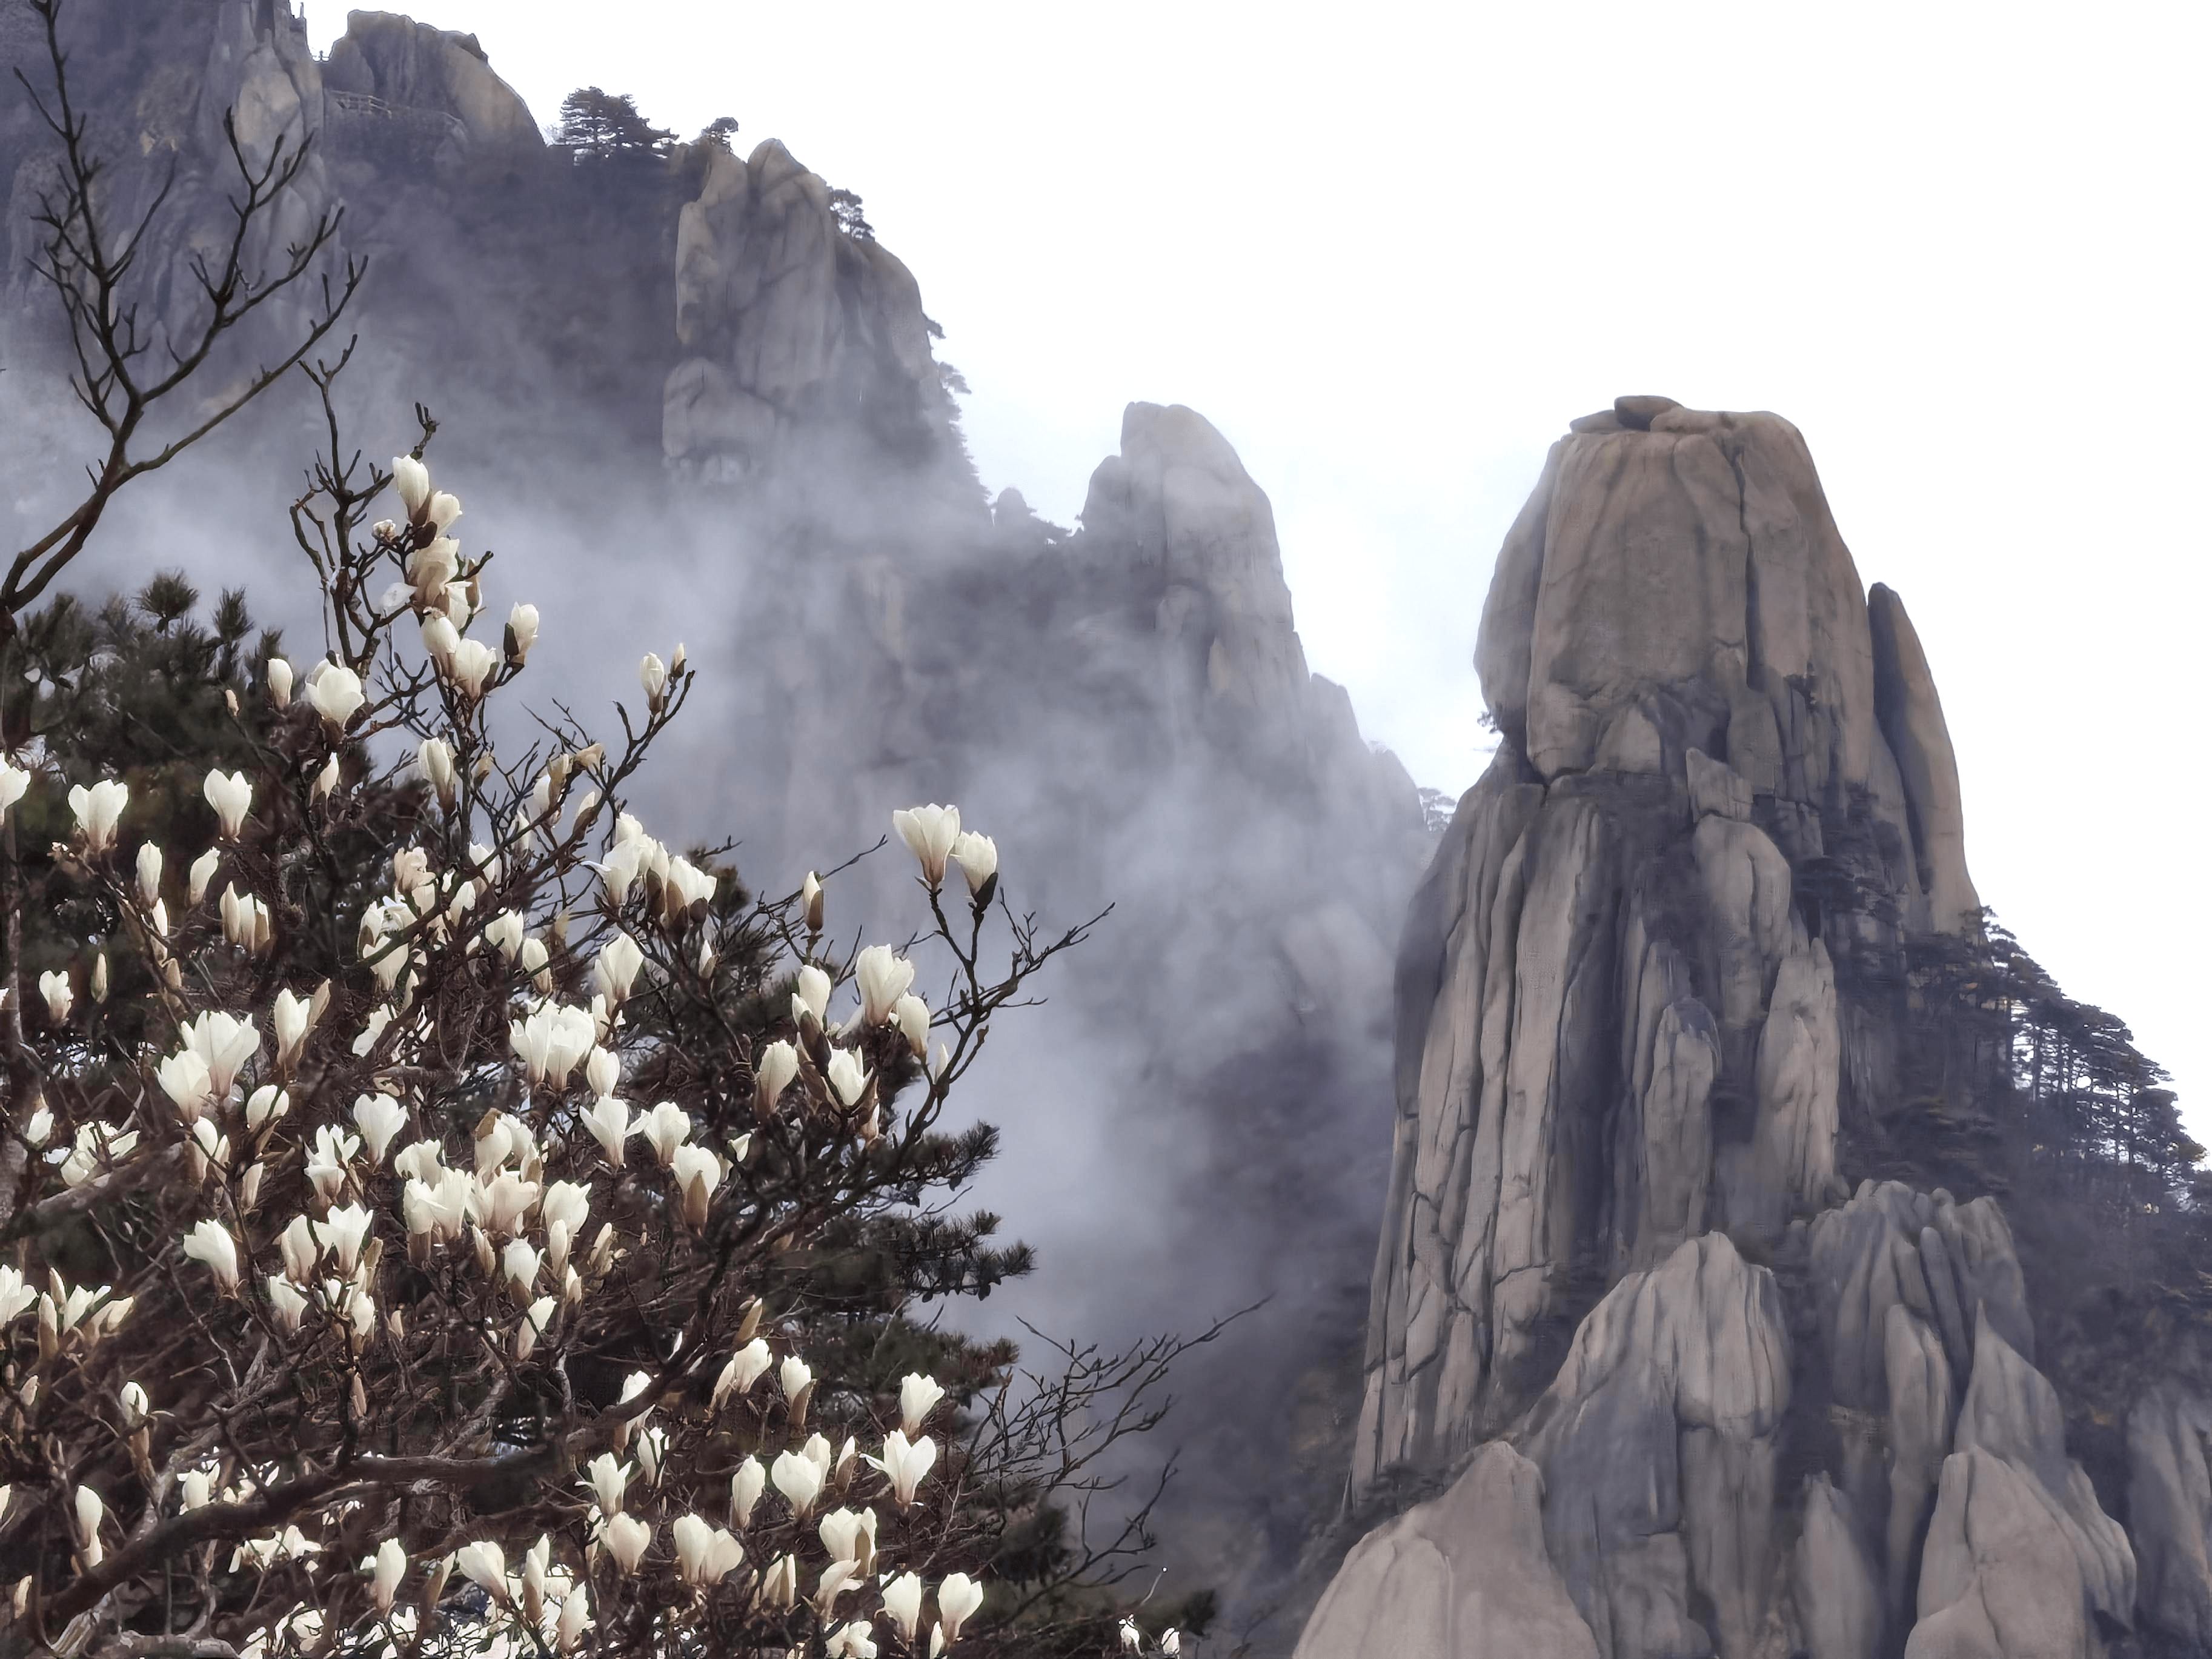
x=1911, y=717
x=1657, y=1444
x=2170, y=1508
x=1460, y=1577
x=387, y=68
x=1641, y=991
x=788, y=318
x=1622, y=1017
x=1839, y=1604
x=2003, y=1575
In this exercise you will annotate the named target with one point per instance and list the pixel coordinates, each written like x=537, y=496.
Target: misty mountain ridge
x=690, y=383
x=1771, y=1260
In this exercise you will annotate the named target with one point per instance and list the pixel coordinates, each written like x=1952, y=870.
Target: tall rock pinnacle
x=1651, y=975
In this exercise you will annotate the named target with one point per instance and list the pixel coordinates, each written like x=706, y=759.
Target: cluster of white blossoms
x=432, y=1169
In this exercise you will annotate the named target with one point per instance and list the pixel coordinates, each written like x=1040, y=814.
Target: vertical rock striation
x=1645, y=985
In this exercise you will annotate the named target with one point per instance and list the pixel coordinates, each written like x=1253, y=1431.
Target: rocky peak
x=388, y=72
x=1648, y=977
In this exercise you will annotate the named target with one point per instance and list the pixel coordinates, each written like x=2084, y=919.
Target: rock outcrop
x=1645, y=985
x=2170, y=1508
x=789, y=318
x=1461, y=1576
x=390, y=80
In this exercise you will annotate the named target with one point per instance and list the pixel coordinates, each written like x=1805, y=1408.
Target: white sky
x=1391, y=250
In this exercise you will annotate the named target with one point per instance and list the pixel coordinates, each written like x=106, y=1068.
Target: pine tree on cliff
x=608, y=123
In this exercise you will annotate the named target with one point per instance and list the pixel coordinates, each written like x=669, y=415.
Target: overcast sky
x=1390, y=251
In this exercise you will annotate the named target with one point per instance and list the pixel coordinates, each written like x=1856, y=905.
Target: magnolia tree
x=439, y=1218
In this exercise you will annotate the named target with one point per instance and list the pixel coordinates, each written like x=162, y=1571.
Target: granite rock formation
x=391, y=80
x=1645, y=986
x=788, y=320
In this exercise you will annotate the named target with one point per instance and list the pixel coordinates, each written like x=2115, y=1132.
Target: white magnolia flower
x=430, y=570
x=978, y=859
x=850, y=1641
x=1132, y=1639
x=667, y=1126
x=91, y=1510
x=564, y=1209
x=342, y=1232
x=849, y=1537
x=797, y=1479
x=296, y=1244
x=619, y=869
x=433, y=757
x=184, y=1080
x=136, y=1407
x=809, y=901
x=385, y=1569
x=290, y=1303
x=504, y=1201
x=794, y=1377
x=484, y=1564
x=626, y=1539
x=288, y=1017
x=608, y=1476
x=150, y=874
x=903, y=1600
x=335, y=693
x=777, y=1066
x=97, y=811
x=615, y=970
x=473, y=663
x=36, y=1132
x=847, y=1076
x=904, y=1462
x=440, y=639
x=883, y=978
x=687, y=885
x=551, y=1041
x=521, y=631
x=265, y=1105
x=210, y=1242
x=326, y=780
x=602, y=1072
x=697, y=1173
x=744, y=1369
x=958, y=1599
x=812, y=995
x=611, y=1125
x=99, y=986
x=379, y=1117
x=13, y=781
x=745, y=1488
x=929, y=833
x=232, y=797
x=705, y=1554
x=506, y=932
x=519, y=1265
x=197, y=1489
x=227, y=1043
x=1171, y=1641
x=437, y=1206
x=918, y=1397
x=412, y=479
x=652, y=675
x=911, y=1015
x=54, y=987
x=279, y=673
x=201, y=873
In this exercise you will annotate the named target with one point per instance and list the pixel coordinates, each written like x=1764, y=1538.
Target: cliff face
x=1649, y=989
x=687, y=374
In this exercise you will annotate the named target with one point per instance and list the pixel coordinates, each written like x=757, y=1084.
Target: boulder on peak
x=409, y=66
